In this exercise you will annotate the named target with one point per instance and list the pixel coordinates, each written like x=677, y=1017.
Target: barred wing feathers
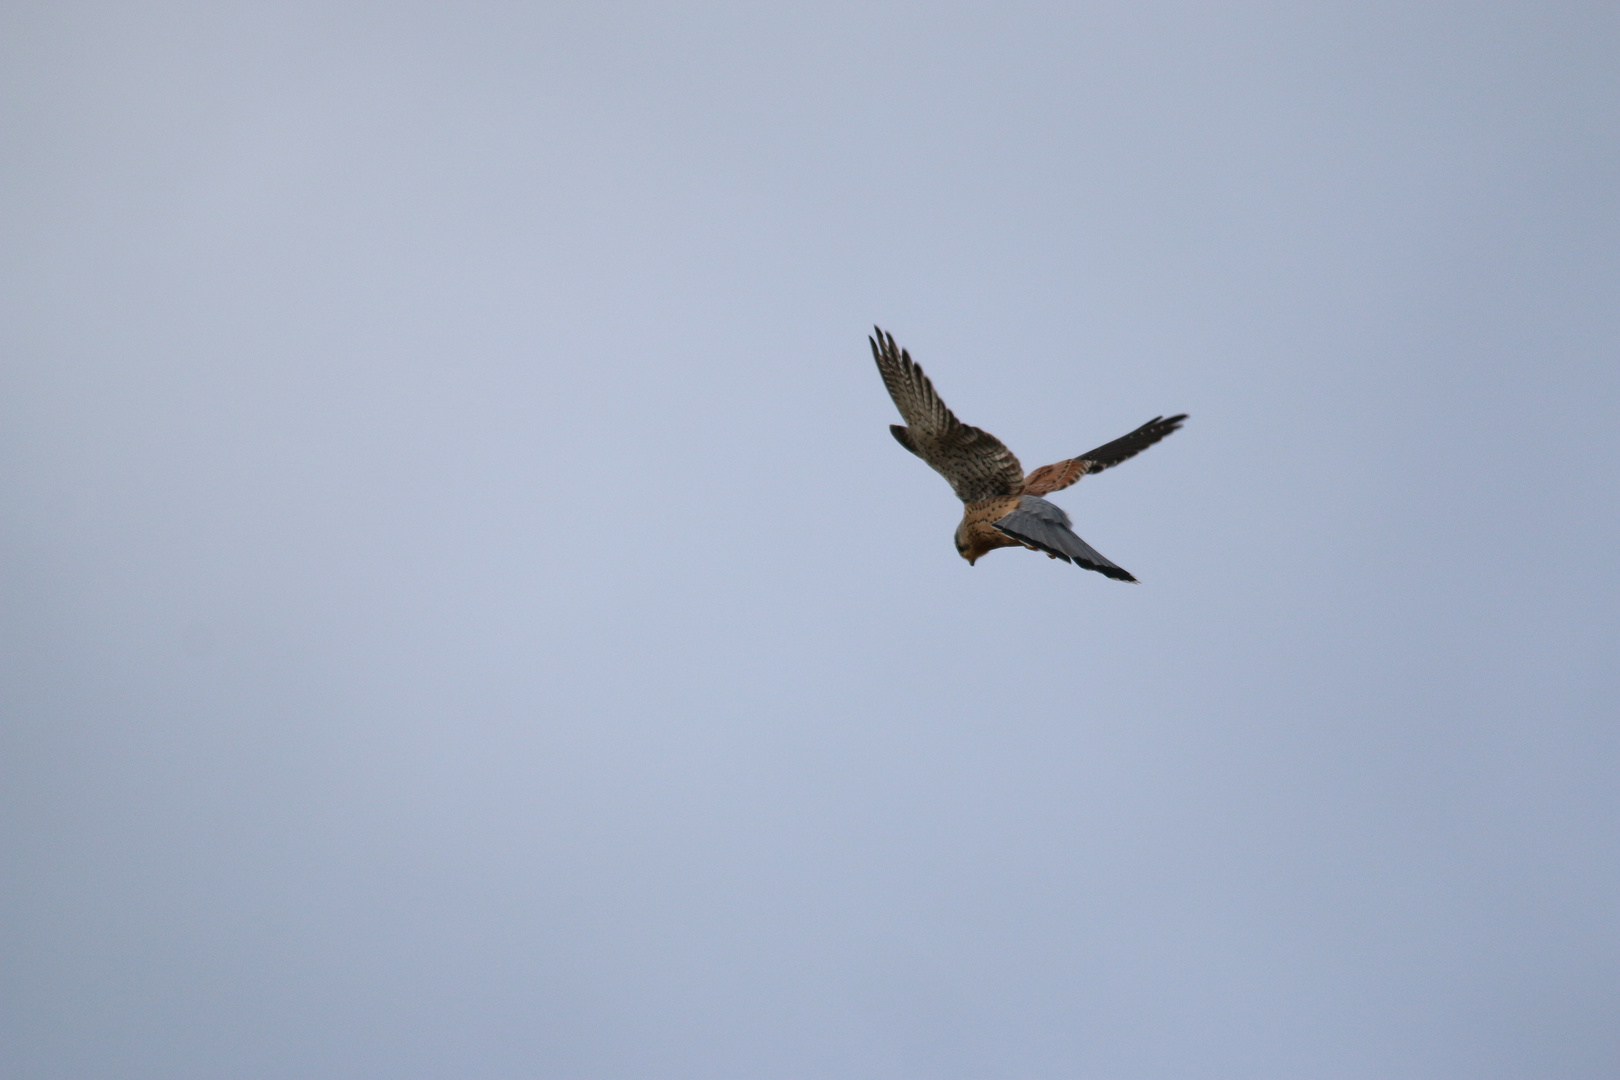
x=975, y=463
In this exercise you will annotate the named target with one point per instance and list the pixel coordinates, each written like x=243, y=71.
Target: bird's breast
x=977, y=534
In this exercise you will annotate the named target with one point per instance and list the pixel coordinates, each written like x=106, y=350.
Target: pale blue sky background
x=464, y=615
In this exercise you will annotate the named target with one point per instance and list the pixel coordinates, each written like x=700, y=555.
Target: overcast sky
x=464, y=615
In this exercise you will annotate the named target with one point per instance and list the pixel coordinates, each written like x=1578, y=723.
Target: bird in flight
x=1004, y=507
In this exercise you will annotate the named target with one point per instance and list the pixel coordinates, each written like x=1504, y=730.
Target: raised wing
x=975, y=463
x=1128, y=446
x=1044, y=526
x=1061, y=474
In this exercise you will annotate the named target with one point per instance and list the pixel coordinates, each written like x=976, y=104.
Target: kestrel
x=1004, y=507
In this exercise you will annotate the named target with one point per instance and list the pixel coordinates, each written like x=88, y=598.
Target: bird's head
x=968, y=546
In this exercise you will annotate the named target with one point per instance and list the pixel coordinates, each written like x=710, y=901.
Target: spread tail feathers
x=1044, y=526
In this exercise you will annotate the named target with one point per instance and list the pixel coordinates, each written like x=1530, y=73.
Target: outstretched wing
x=1128, y=446
x=1057, y=476
x=1045, y=526
x=975, y=462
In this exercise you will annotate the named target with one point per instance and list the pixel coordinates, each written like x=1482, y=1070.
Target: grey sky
x=465, y=617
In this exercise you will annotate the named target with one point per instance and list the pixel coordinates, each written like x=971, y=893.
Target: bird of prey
x=1004, y=507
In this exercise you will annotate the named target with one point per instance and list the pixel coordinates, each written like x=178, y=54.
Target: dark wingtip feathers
x=1113, y=572
x=1128, y=446
x=884, y=343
